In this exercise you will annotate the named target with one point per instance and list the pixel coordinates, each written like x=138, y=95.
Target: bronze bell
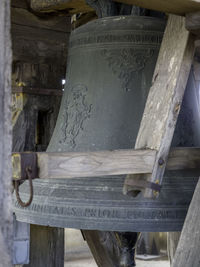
x=110, y=66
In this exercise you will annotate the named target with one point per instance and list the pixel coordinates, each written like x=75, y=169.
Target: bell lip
x=99, y=21
x=167, y=216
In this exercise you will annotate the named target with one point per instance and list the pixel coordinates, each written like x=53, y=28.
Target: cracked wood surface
x=5, y=137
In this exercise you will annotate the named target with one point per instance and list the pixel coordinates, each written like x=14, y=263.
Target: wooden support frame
x=164, y=102
x=187, y=252
x=180, y=7
x=6, y=225
x=36, y=91
x=103, y=163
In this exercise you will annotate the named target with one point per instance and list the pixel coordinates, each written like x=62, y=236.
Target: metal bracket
x=20, y=162
x=141, y=185
x=25, y=165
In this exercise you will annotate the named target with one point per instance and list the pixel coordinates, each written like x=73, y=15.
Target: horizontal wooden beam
x=42, y=34
x=103, y=163
x=21, y=16
x=73, y=6
x=69, y=165
x=36, y=91
x=179, y=7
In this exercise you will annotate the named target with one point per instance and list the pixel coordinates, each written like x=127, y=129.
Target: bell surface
x=110, y=67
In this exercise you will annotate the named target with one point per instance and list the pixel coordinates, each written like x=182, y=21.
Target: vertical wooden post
x=172, y=243
x=187, y=253
x=47, y=247
x=39, y=61
x=5, y=137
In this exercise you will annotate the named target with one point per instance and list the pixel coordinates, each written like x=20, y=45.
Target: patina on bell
x=110, y=66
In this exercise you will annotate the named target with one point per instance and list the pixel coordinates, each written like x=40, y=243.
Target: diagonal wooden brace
x=164, y=102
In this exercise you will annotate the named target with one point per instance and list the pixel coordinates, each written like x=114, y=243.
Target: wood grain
x=21, y=16
x=6, y=225
x=165, y=98
x=73, y=6
x=187, y=253
x=47, y=247
x=172, y=243
x=179, y=7
x=69, y=165
x=102, y=163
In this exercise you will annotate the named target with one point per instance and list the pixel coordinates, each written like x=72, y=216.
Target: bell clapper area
x=99, y=133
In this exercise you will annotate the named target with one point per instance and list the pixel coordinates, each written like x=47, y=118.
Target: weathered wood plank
x=47, y=247
x=36, y=91
x=172, y=243
x=180, y=7
x=32, y=33
x=6, y=224
x=74, y=6
x=164, y=99
x=187, y=253
x=102, y=163
x=21, y=16
x=69, y=165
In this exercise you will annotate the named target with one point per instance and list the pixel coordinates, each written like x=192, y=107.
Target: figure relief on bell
x=77, y=110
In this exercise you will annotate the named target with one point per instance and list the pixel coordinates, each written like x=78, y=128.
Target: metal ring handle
x=25, y=204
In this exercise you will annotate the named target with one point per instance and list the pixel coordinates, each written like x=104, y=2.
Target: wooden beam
x=47, y=247
x=187, y=253
x=172, y=243
x=102, y=163
x=179, y=7
x=36, y=91
x=21, y=16
x=88, y=164
x=95, y=164
x=164, y=100
x=73, y=6
x=42, y=34
x=6, y=225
